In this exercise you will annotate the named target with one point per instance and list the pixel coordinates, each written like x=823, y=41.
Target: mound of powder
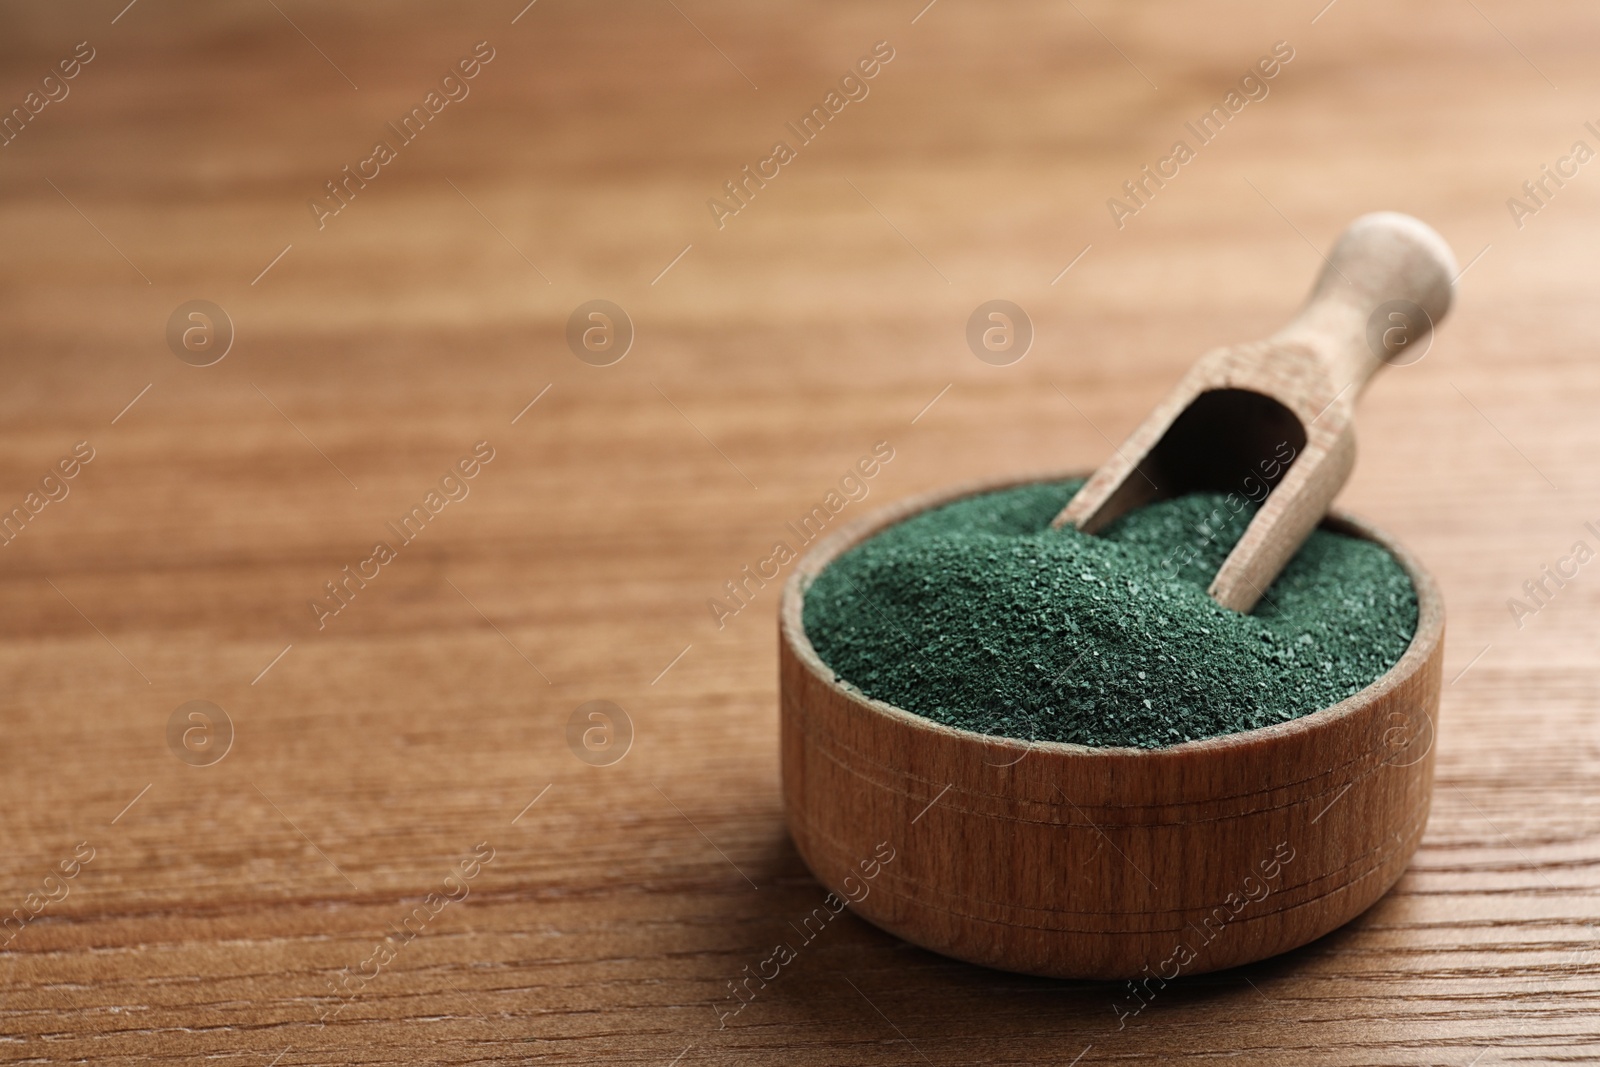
x=980, y=616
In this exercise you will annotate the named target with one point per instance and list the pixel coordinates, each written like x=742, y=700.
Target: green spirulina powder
x=980, y=616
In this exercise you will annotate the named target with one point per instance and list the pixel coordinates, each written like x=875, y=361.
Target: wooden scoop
x=1274, y=419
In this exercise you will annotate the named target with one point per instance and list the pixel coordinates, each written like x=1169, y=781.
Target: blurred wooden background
x=223, y=903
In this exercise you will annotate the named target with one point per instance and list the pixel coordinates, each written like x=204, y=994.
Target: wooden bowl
x=1076, y=862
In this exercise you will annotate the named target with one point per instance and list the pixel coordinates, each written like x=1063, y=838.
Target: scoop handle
x=1388, y=281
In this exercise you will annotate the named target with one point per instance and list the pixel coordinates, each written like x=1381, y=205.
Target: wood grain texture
x=828, y=314
x=1074, y=862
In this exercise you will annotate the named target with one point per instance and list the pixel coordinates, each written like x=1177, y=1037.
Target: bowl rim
x=1429, y=631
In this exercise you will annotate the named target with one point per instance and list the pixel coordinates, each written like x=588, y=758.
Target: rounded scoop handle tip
x=1385, y=264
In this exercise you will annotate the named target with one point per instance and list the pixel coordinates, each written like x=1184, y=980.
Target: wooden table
x=232, y=910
